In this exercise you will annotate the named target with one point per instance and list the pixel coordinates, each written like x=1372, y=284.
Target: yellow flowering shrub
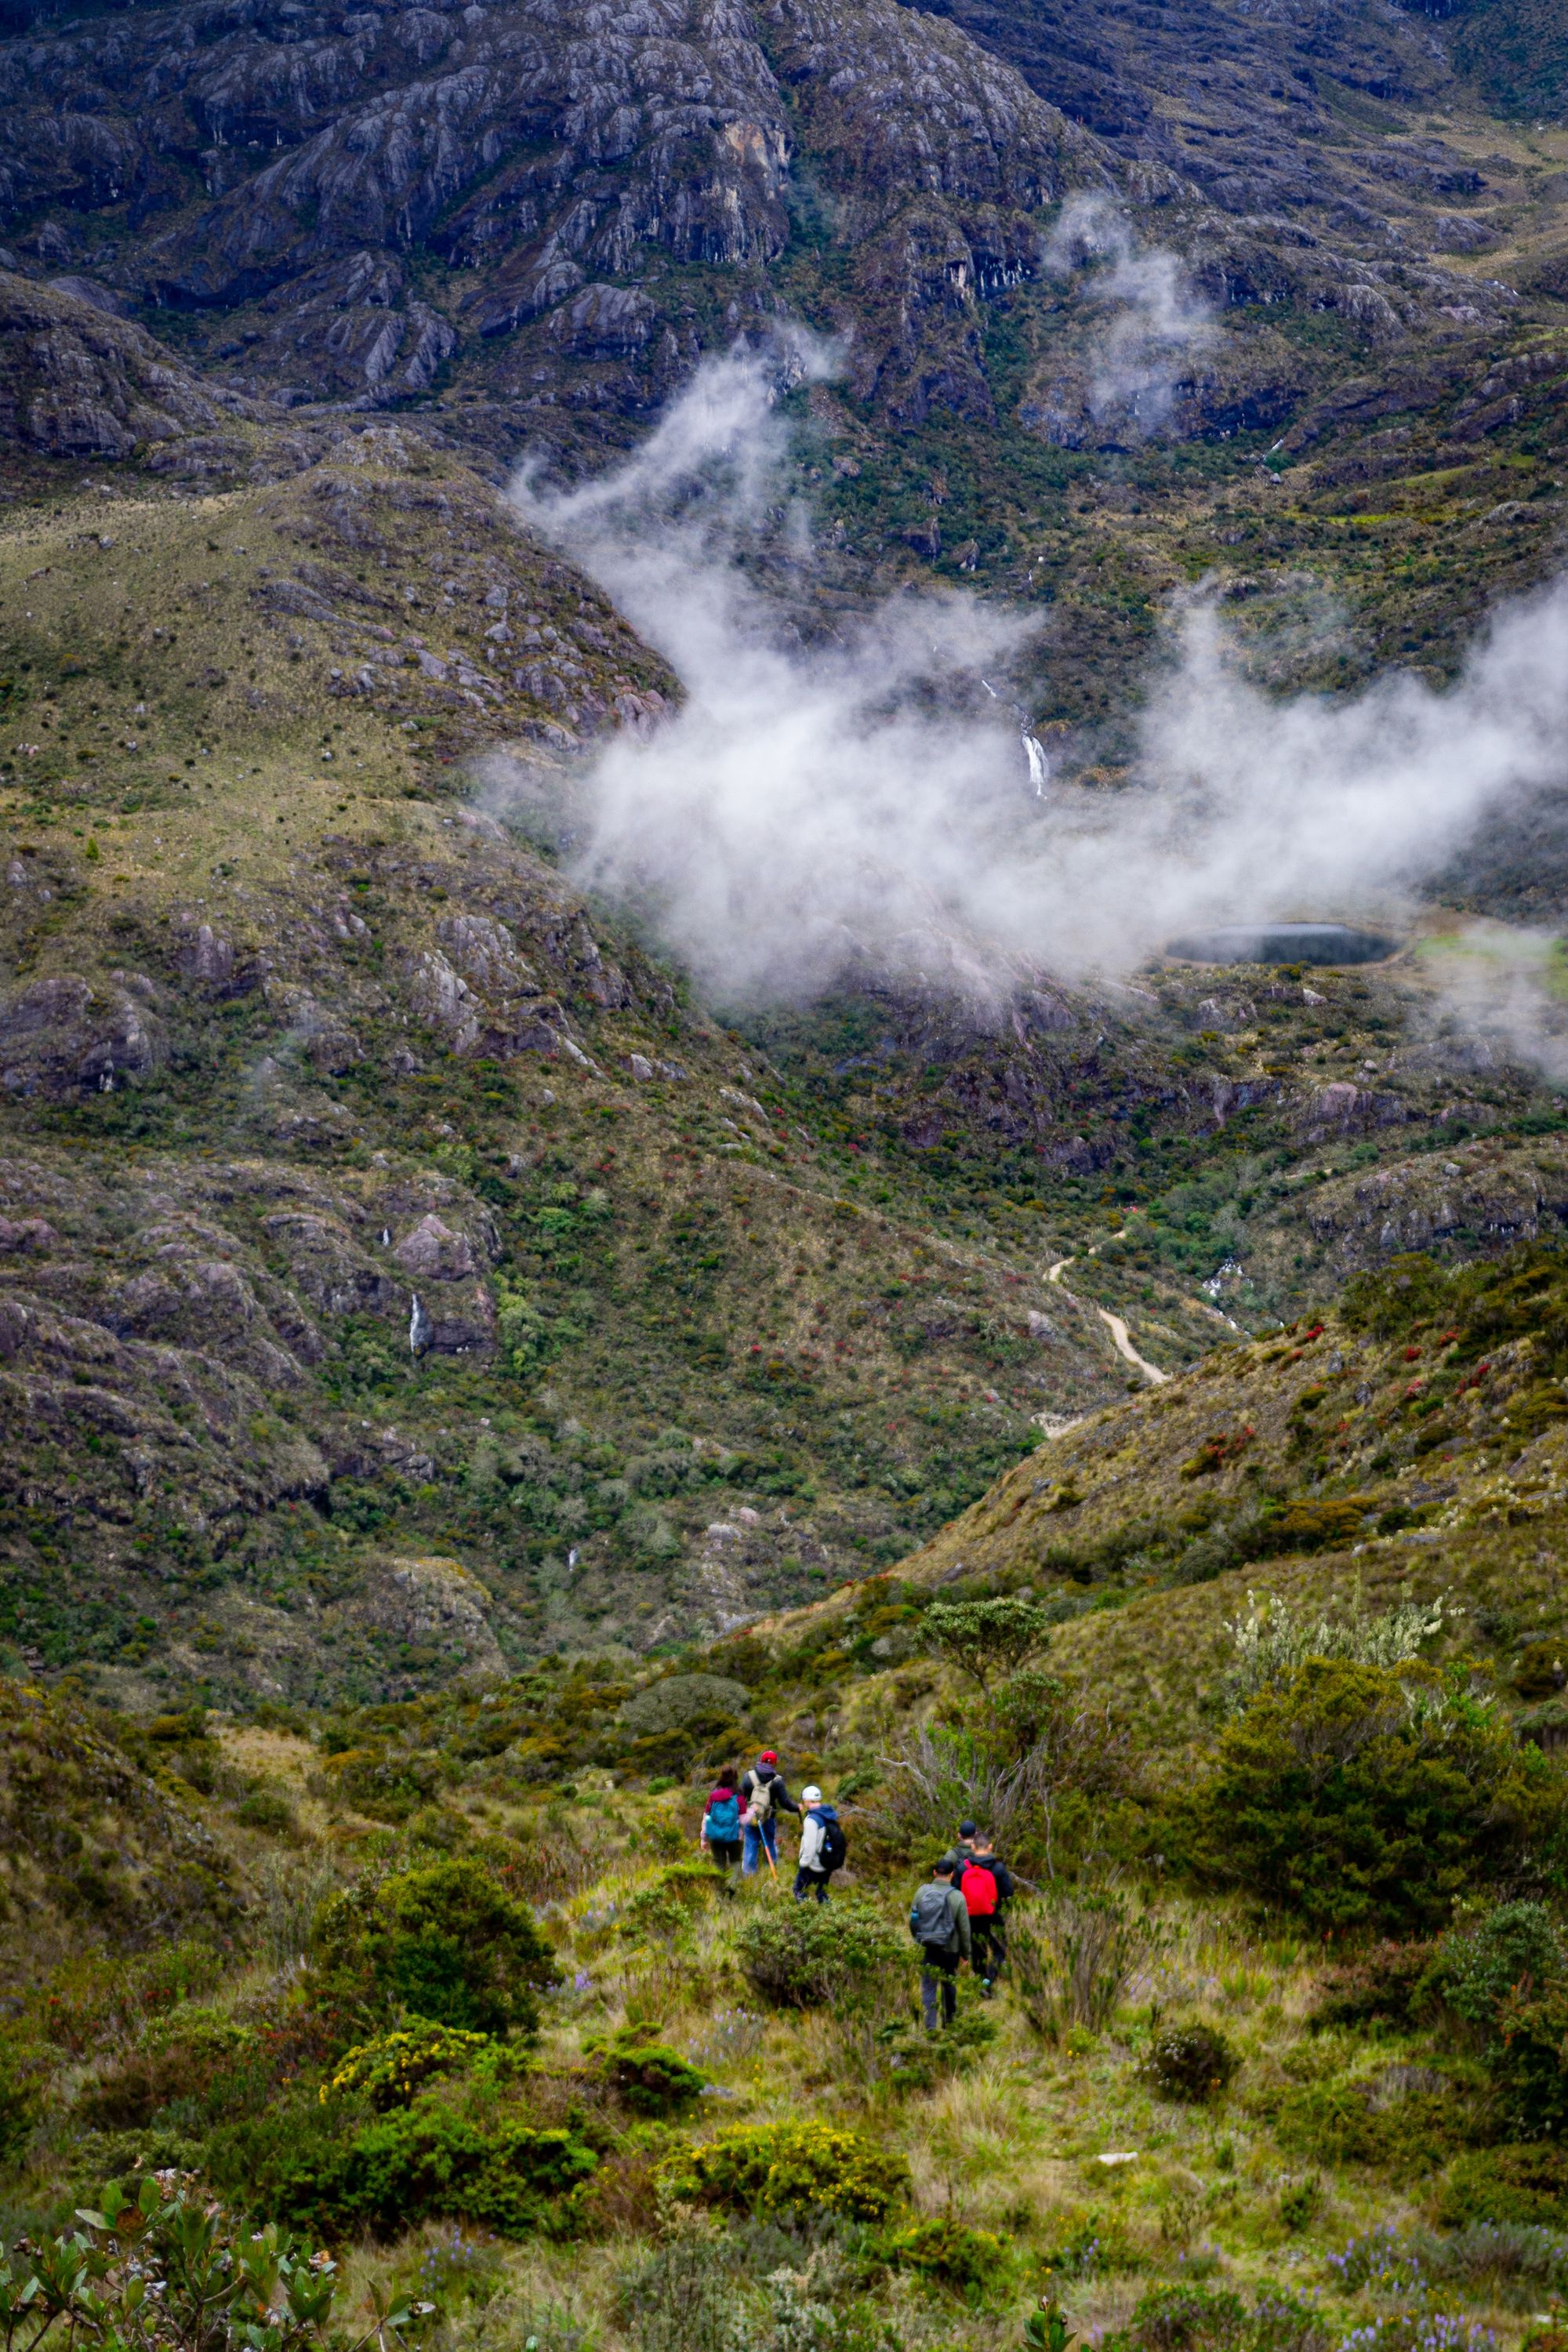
x=394, y=2068
x=779, y=2168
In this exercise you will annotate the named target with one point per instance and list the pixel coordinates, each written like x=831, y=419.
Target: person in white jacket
x=813, y=1863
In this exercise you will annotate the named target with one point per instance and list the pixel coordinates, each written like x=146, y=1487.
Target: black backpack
x=834, y=1846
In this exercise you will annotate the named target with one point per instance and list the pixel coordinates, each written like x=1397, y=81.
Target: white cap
x=810, y=1796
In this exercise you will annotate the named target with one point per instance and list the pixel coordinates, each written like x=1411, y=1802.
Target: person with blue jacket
x=721, y=1831
x=821, y=1847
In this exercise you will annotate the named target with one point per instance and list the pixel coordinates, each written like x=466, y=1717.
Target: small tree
x=443, y=1943
x=988, y=1640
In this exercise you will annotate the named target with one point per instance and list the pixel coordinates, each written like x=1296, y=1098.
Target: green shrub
x=806, y=1955
x=425, y=2162
x=193, y=2054
x=393, y=2069
x=975, y=2263
x=1516, y=1949
x=988, y=1640
x=667, y=1901
x=1192, y=2318
x=1190, y=2062
x=1373, y=2120
x=443, y=1943
x=1357, y=1800
x=22, y=2077
x=1528, y=2064
x=1527, y=2185
x=266, y=1808
x=179, y=2259
x=791, y=2170
x=644, y=2075
x=1380, y=1986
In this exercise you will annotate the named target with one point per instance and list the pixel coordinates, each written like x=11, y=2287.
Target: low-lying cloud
x=817, y=806
x=1154, y=320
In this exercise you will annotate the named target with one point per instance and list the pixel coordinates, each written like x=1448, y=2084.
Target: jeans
x=809, y=1883
x=990, y=1947
x=764, y=1833
x=938, y=1969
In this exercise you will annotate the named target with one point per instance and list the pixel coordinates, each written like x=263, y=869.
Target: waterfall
x=1039, y=765
x=420, y=1329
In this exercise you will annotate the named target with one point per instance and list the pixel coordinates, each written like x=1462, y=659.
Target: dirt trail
x=1113, y=1324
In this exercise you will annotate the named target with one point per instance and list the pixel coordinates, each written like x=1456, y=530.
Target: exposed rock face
x=77, y=383
x=554, y=153
x=434, y=1600
x=64, y=1034
x=527, y=195
x=1481, y=1197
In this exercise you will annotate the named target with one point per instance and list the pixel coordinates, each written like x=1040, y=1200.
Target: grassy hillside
x=1276, y=2055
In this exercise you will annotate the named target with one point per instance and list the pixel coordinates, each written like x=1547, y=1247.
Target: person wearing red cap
x=763, y=1797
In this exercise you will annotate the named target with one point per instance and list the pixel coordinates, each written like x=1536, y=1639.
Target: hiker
x=763, y=1797
x=962, y=1846
x=986, y=1886
x=823, y=1847
x=721, y=1831
x=940, y=1926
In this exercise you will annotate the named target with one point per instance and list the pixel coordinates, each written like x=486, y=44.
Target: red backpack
x=979, y=1891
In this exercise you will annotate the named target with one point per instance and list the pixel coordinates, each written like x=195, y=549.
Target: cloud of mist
x=827, y=803
x=1155, y=318
x=1506, y=990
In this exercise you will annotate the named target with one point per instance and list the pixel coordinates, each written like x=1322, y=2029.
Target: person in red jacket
x=986, y=1886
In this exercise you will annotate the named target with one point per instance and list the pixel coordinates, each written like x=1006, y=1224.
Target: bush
x=1272, y=1644
x=973, y=2262
x=1072, y=1954
x=791, y=2170
x=181, y=2259
x=1189, y=2062
x=1357, y=1801
x=681, y=1700
x=1402, y=2126
x=987, y=1640
x=1515, y=1950
x=266, y=1808
x=22, y=2078
x=644, y=2075
x=443, y=1943
x=391, y=2071
x=1206, y=2319
x=425, y=2161
x=806, y=1955
x=1526, y=2184
x=193, y=2054
x=1380, y=1986
x=1526, y=2063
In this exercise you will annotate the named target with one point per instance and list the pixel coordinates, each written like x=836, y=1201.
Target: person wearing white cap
x=822, y=1847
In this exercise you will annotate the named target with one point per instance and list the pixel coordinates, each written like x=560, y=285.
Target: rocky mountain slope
x=403, y=1274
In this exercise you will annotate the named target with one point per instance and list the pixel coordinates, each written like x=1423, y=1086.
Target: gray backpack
x=931, y=1918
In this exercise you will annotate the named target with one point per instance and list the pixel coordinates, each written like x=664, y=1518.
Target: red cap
x=767, y=1756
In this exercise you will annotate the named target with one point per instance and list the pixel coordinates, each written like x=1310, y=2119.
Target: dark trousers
x=938, y=1969
x=726, y=1852
x=809, y=1883
x=990, y=1947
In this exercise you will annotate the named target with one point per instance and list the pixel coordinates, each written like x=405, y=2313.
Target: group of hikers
x=956, y=1915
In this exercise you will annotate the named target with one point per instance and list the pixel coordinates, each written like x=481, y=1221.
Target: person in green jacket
x=939, y=1922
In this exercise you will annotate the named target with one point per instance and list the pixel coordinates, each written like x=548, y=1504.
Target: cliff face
x=365, y=198
x=558, y=210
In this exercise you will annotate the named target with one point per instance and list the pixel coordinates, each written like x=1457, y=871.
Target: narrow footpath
x=1113, y=1324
